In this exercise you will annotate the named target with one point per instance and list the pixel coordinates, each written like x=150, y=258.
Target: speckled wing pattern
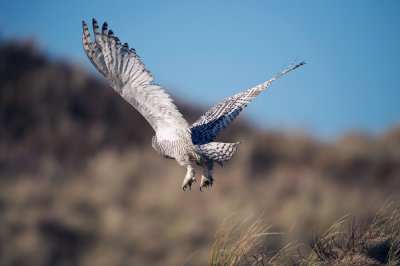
x=129, y=77
x=207, y=127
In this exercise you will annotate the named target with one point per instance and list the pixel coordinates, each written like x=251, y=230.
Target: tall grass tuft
x=386, y=228
x=346, y=243
x=234, y=241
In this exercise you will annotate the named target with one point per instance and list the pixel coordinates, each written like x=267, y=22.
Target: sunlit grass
x=346, y=242
x=234, y=240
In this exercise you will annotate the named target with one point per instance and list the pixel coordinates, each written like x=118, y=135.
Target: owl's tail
x=217, y=151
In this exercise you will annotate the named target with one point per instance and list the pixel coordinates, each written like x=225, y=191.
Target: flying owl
x=174, y=138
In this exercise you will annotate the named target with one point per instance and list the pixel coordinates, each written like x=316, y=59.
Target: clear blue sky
x=203, y=51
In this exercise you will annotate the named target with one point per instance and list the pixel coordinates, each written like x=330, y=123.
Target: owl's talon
x=189, y=178
x=188, y=183
x=206, y=182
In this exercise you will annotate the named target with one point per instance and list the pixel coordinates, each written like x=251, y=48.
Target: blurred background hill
x=81, y=185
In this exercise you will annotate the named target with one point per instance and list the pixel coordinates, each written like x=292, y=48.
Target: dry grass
x=234, y=240
x=346, y=242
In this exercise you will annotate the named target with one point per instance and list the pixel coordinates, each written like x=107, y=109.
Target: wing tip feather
x=84, y=25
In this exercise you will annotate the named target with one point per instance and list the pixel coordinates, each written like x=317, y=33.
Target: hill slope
x=80, y=184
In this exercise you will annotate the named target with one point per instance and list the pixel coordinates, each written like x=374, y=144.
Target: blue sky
x=203, y=51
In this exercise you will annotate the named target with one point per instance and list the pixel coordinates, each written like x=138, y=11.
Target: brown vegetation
x=80, y=184
x=346, y=242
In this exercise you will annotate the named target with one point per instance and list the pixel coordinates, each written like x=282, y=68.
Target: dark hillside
x=57, y=110
x=81, y=185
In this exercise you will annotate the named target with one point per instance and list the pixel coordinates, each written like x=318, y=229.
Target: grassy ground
x=346, y=242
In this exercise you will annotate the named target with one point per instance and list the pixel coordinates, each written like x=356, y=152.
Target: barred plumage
x=217, y=151
x=207, y=127
x=174, y=138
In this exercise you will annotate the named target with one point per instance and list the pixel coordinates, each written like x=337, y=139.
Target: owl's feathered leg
x=189, y=178
x=206, y=179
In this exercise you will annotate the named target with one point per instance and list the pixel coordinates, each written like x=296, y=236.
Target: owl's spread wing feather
x=207, y=127
x=129, y=77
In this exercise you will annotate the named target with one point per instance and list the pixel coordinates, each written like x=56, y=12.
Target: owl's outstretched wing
x=129, y=77
x=207, y=127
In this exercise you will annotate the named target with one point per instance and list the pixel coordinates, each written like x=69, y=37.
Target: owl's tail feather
x=217, y=151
